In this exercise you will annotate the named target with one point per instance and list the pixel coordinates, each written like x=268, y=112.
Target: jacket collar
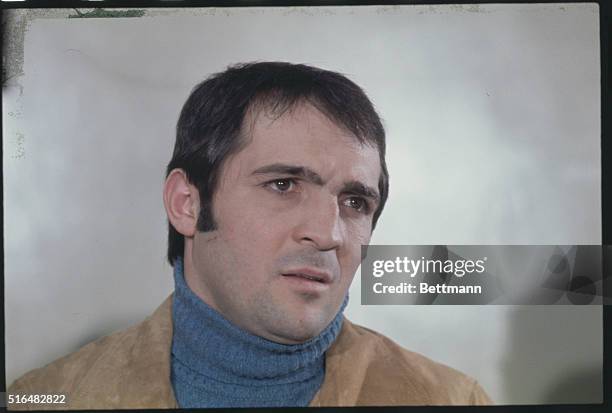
x=140, y=376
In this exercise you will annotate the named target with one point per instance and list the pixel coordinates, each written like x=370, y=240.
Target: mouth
x=309, y=274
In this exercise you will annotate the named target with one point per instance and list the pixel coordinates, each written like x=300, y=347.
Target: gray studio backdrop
x=493, y=122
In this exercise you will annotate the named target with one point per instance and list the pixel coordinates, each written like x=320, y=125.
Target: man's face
x=292, y=209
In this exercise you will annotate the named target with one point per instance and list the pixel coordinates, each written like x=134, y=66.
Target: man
x=278, y=177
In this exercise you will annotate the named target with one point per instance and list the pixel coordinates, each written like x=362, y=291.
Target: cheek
x=252, y=222
x=250, y=230
x=251, y=240
x=351, y=255
x=349, y=263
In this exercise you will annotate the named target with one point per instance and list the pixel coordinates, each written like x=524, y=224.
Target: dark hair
x=209, y=127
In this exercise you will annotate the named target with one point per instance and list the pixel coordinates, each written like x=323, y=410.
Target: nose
x=320, y=225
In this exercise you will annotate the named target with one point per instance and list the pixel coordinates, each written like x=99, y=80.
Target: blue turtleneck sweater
x=217, y=364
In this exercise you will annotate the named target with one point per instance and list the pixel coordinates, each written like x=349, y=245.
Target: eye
x=281, y=185
x=357, y=203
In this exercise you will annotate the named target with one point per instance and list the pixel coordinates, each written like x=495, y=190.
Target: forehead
x=304, y=136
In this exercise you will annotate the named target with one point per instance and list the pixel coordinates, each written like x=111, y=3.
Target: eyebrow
x=358, y=188
x=350, y=187
x=293, y=170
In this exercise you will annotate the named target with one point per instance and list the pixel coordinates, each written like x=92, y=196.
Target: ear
x=182, y=203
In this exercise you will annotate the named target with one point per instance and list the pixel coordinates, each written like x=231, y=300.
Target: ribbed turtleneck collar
x=215, y=359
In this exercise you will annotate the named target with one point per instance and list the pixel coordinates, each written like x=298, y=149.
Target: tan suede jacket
x=130, y=369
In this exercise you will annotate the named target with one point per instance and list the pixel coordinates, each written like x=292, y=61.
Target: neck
x=233, y=363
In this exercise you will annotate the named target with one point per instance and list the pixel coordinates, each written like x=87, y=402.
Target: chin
x=290, y=322
x=300, y=331
x=296, y=337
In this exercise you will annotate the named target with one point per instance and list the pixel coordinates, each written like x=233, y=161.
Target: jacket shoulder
x=393, y=375
x=101, y=364
x=66, y=373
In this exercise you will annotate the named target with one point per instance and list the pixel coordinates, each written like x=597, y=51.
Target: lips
x=309, y=274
